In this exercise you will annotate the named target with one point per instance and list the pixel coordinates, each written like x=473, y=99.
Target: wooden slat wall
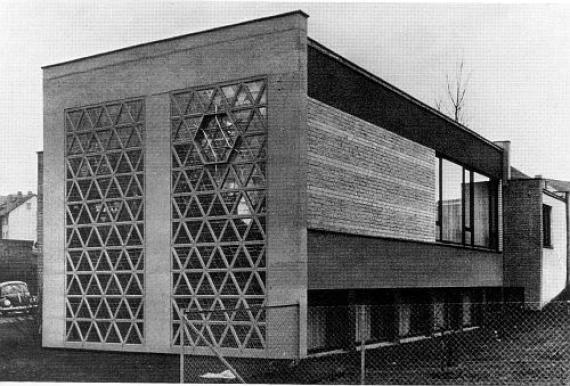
x=365, y=180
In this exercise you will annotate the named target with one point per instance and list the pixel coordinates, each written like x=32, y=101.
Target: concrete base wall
x=339, y=261
x=412, y=313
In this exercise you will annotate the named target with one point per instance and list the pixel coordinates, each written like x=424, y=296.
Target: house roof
x=12, y=201
x=516, y=174
x=562, y=186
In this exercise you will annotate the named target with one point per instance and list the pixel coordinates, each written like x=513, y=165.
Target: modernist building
x=249, y=166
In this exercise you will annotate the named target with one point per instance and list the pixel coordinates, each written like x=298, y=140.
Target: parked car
x=15, y=298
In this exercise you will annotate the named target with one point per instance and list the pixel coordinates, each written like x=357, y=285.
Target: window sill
x=472, y=247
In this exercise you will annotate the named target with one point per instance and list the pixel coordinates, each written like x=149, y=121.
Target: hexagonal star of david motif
x=216, y=138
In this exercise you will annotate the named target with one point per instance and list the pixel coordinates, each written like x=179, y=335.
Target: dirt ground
x=22, y=359
x=521, y=348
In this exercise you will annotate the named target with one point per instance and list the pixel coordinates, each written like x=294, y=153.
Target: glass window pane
x=467, y=202
x=481, y=210
x=451, y=208
x=103, y=231
x=437, y=197
x=219, y=208
x=546, y=225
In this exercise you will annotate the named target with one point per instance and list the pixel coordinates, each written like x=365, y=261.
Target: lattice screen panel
x=219, y=185
x=105, y=223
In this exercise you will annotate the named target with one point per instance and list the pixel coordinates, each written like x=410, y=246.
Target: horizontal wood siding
x=365, y=180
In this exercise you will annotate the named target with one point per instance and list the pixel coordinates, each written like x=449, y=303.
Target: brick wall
x=500, y=219
x=18, y=262
x=365, y=180
x=522, y=236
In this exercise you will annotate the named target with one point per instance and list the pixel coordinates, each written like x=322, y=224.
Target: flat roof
x=313, y=44
x=297, y=12
x=327, y=51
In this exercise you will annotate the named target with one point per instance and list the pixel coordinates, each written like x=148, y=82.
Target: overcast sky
x=518, y=57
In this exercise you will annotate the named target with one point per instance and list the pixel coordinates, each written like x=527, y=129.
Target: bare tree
x=453, y=103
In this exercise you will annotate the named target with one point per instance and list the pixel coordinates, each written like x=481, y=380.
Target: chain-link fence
x=435, y=343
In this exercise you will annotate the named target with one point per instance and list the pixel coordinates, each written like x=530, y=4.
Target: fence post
x=444, y=336
x=212, y=348
x=182, y=333
x=362, y=346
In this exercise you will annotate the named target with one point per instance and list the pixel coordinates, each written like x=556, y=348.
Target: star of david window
x=105, y=223
x=219, y=154
x=216, y=138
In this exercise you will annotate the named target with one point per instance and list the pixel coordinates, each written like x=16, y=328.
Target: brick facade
x=522, y=235
x=365, y=180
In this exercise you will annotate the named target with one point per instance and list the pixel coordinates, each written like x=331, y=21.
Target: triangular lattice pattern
x=105, y=223
x=219, y=152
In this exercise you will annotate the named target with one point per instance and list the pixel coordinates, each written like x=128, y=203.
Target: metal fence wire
x=431, y=344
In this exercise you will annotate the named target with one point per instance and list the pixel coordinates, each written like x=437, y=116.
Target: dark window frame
x=547, y=226
x=493, y=195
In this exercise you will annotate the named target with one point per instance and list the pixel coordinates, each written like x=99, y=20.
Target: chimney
x=506, y=146
x=11, y=198
x=538, y=176
x=30, y=193
x=19, y=193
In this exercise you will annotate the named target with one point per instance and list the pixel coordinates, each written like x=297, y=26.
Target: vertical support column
x=53, y=312
x=351, y=322
x=157, y=223
x=567, y=235
x=430, y=323
x=286, y=203
x=303, y=318
x=397, y=310
x=362, y=315
x=181, y=369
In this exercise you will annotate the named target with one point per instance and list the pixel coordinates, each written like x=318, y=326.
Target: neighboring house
x=40, y=199
x=18, y=216
x=250, y=166
x=38, y=248
x=536, y=237
x=19, y=262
